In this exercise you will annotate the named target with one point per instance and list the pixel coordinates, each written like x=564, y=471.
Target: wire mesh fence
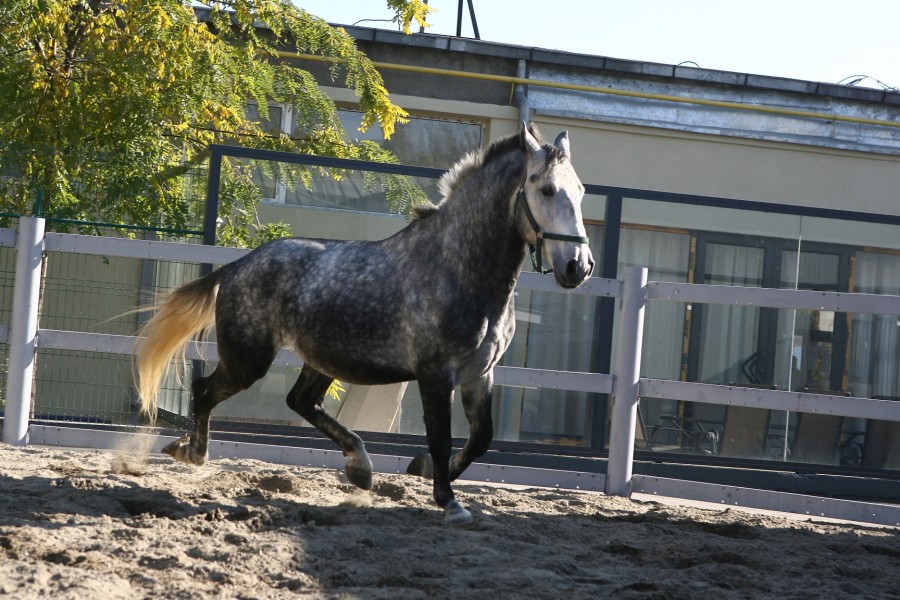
x=7, y=276
x=99, y=294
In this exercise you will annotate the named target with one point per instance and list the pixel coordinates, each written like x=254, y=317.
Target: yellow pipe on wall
x=603, y=90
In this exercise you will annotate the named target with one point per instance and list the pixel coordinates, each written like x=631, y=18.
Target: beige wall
x=735, y=168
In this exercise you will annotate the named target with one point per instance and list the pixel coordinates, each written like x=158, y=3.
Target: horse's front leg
x=306, y=399
x=436, y=400
x=476, y=400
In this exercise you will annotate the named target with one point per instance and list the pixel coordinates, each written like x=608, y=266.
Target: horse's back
x=363, y=311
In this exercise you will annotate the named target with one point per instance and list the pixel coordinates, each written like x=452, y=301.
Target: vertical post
x=213, y=181
x=606, y=314
x=625, y=390
x=23, y=329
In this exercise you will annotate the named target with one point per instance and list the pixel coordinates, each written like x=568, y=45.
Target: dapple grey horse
x=434, y=303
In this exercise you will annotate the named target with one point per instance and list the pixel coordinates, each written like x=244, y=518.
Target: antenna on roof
x=459, y=16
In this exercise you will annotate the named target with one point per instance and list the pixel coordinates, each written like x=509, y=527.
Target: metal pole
x=213, y=181
x=474, y=22
x=605, y=315
x=23, y=330
x=422, y=28
x=625, y=390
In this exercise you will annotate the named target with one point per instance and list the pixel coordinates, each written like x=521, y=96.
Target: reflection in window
x=874, y=368
x=359, y=191
x=667, y=256
x=803, y=352
x=422, y=142
x=553, y=331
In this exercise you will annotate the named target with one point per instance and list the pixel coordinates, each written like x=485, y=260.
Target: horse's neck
x=481, y=220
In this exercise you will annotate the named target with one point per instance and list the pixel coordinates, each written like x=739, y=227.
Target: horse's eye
x=549, y=190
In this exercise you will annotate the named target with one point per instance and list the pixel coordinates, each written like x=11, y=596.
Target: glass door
x=811, y=345
x=729, y=345
x=727, y=338
x=801, y=350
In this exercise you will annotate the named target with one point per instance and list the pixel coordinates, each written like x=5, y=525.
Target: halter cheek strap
x=541, y=235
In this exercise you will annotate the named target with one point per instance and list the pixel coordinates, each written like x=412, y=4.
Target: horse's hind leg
x=306, y=399
x=193, y=448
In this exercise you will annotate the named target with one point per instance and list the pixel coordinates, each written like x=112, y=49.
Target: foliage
x=107, y=107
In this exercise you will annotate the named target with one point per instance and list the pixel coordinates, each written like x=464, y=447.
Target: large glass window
x=422, y=142
x=798, y=350
x=816, y=351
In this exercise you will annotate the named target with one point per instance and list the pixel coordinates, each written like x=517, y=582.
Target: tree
x=105, y=105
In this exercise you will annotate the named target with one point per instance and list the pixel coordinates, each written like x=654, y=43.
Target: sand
x=87, y=524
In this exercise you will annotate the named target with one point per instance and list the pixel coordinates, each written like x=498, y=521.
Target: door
x=731, y=344
x=790, y=349
x=748, y=345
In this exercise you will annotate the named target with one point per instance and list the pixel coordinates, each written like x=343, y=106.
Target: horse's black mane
x=477, y=158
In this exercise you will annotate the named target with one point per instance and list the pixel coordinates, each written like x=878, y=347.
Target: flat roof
x=617, y=65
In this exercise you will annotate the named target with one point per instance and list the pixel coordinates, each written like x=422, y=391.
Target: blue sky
x=826, y=40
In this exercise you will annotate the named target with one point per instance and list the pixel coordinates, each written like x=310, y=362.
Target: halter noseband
x=536, y=254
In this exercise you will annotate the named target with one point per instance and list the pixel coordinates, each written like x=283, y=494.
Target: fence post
x=23, y=329
x=623, y=417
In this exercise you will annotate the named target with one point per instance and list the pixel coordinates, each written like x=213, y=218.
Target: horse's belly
x=360, y=369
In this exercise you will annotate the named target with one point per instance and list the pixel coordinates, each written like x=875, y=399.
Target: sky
x=826, y=40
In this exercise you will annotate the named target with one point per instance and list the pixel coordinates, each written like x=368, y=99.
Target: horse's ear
x=528, y=140
x=562, y=143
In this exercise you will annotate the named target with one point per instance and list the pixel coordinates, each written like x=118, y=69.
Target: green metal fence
x=83, y=191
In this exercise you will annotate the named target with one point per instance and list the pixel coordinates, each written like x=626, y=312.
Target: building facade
x=702, y=176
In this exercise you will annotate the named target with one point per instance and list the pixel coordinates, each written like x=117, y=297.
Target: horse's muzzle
x=575, y=271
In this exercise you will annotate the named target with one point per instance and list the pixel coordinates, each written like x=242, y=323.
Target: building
x=703, y=176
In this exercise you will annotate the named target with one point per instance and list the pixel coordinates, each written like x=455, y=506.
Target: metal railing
x=630, y=387
x=25, y=337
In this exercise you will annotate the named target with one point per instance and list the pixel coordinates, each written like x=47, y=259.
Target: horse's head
x=548, y=209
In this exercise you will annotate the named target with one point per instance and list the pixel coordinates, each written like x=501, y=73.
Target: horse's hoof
x=422, y=465
x=455, y=514
x=359, y=471
x=182, y=451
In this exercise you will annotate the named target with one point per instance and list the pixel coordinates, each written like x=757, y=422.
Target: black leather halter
x=536, y=260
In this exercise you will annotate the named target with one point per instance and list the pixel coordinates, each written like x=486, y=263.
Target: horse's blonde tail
x=188, y=310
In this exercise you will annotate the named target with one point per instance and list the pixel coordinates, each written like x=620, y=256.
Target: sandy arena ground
x=84, y=525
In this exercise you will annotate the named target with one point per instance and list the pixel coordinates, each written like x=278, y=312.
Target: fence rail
x=24, y=337
x=773, y=298
x=728, y=395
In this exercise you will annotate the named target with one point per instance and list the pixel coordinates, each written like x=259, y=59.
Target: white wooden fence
x=25, y=336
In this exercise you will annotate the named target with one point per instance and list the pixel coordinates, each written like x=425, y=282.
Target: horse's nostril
x=572, y=268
